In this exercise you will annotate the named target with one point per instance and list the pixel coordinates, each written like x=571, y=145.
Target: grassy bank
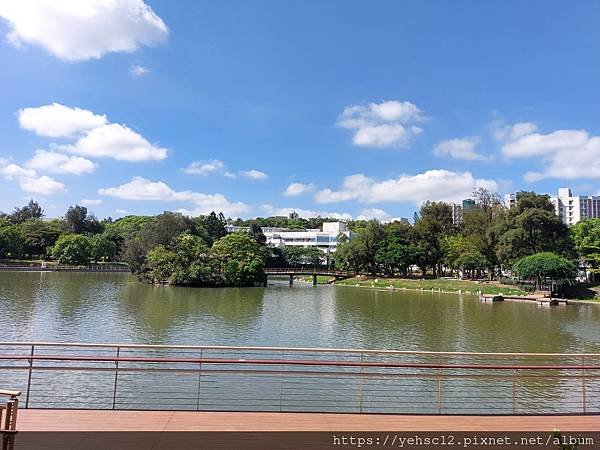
x=437, y=284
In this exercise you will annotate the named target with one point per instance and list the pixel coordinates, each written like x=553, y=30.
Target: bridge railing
x=156, y=377
x=308, y=270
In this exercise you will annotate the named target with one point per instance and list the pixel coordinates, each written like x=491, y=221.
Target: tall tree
x=586, y=235
x=435, y=222
x=214, y=226
x=76, y=218
x=257, y=233
x=28, y=212
x=531, y=227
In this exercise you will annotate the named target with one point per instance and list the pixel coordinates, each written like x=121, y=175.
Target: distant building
x=571, y=209
x=293, y=215
x=456, y=213
x=459, y=208
x=510, y=200
x=325, y=240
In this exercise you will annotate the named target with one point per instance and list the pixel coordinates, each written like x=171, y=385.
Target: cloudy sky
x=324, y=107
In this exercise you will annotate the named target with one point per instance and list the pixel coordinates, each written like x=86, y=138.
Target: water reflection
x=117, y=308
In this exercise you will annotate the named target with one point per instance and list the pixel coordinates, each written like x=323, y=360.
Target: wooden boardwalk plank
x=92, y=420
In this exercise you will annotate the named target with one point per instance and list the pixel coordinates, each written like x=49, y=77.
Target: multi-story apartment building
x=458, y=209
x=510, y=200
x=571, y=209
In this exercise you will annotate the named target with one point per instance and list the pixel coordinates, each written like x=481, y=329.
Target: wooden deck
x=92, y=420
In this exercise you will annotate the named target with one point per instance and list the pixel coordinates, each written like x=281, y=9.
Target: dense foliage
x=545, y=265
x=489, y=240
x=586, y=235
x=173, y=248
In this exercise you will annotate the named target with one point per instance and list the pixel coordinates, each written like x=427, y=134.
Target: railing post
x=583, y=393
x=439, y=385
x=361, y=385
x=514, y=391
x=29, y=376
x=114, y=402
x=199, y=381
x=281, y=384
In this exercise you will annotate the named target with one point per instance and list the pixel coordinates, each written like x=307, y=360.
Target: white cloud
x=565, y=154
x=142, y=189
x=77, y=30
x=229, y=175
x=137, y=71
x=115, y=141
x=57, y=120
x=254, y=174
x=461, y=148
x=11, y=170
x=204, y=168
x=385, y=124
x=373, y=213
x=437, y=185
x=121, y=211
x=96, y=137
x=43, y=185
x=295, y=189
x=306, y=213
x=90, y=201
x=45, y=161
x=512, y=132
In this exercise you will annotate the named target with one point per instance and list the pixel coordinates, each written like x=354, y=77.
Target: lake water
x=116, y=308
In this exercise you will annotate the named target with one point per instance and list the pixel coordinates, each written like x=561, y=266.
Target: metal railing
x=158, y=377
x=308, y=270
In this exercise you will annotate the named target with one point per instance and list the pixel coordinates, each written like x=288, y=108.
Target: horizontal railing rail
x=310, y=270
x=141, y=376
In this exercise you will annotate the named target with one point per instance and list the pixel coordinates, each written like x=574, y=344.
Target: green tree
x=545, y=265
x=471, y=263
x=72, y=249
x=399, y=249
x=11, y=242
x=39, y=236
x=531, y=227
x=240, y=259
x=586, y=235
x=75, y=218
x=257, y=233
x=103, y=248
x=435, y=222
x=162, y=229
x=297, y=256
x=186, y=261
x=28, y=212
x=478, y=226
x=214, y=226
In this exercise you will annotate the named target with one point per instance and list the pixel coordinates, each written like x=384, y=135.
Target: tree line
x=489, y=240
x=178, y=249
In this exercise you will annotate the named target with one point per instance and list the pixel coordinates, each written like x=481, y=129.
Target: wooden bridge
x=308, y=271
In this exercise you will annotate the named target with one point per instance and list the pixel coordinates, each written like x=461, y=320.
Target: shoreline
x=477, y=293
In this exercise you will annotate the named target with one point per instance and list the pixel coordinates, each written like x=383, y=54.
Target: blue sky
x=354, y=108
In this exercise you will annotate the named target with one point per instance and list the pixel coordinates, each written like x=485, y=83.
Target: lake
x=116, y=308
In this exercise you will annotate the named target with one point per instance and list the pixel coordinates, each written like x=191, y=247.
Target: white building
x=325, y=240
x=510, y=200
x=571, y=209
